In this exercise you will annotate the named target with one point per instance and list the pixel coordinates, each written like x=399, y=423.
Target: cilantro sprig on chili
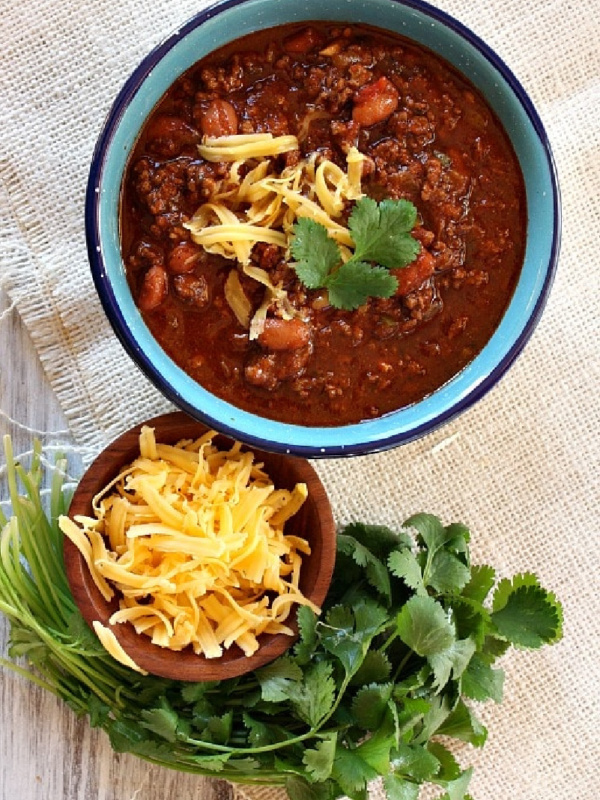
x=382, y=238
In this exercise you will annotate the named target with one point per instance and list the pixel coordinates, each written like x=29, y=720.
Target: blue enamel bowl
x=214, y=27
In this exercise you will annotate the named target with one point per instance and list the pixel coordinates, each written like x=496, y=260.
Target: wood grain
x=46, y=753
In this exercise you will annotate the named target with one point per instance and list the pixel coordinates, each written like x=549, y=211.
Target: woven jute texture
x=520, y=468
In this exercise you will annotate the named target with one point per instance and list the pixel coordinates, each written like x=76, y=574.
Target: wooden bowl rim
x=186, y=665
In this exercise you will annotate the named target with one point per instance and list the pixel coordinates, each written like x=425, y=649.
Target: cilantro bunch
x=410, y=634
x=382, y=238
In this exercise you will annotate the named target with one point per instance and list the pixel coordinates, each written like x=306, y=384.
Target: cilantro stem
x=388, y=641
x=28, y=675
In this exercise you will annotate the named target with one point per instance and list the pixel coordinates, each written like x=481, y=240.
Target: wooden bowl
x=314, y=522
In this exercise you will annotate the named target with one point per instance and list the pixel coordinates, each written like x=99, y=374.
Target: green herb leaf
x=307, y=643
x=447, y=568
x=339, y=638
x=415, y=761
x=161, y=721
x=400, y=789
x=317, y=254
x=316, y=694
x=382, y=240
x=481, y=583
x=456, y=789
x=299, y=788
x=351, y=771
x=525, y=614
x=376, y=749
x=424, y=626
x=279, y=679
x=449, y=769
x=404, y=564
x=355, y=281
x=452, y=661
x=447, y=573
x=376, y=668
x=375, y=569
x=371, y=704
x=378, y=539
x=319, y=760
x=381, y=232
x=482, y=682
x=462, y=724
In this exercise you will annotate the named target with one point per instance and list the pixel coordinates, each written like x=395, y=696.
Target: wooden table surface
x=46, y=753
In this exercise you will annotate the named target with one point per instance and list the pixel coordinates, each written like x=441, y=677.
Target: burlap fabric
x=521, y=468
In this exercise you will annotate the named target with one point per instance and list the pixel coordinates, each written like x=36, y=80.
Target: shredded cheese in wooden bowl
x=204, y=548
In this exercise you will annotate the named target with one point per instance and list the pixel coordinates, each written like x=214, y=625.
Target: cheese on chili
x=263, y=205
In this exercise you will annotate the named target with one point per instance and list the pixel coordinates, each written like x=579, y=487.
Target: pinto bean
x=154, y=289
x=168, y=134
x=285, y=334
x=192, y=289
x=219, y=119
x=415, y=274
x=269, y=369
x=303, y=41
x=375, y=102
x=183, y=258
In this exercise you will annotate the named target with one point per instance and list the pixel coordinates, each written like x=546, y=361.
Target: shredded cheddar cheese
x=263, y=206
x=191, y=539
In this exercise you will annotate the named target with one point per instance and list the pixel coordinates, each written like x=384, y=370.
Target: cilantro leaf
x=161, y=721
x=424, y=626
x=525, y=614
x=447, y=573
x=278, y=679
x=381, y=232
x=430, y=531
x=307, y=625
x=456, y=789
x=471, y=620
x=218, y=728
x=314, y=698
x=449, y=769
x=382, y=240
x=481, y=583
x=355, y=281
x=399, y=789
x=447, y=568
x=376, y=668
x=404, y=564
x=452, y=661
x=125, y=735
x=413, y=711
x=319, y=760
x=376, y=749
x=480, y=681
x=351, y=771
x=370, y=705
x=298, y=788
x=415, y=761
x=462, y=724
x=379, y=539
x=259, y=734
x=317, y=254
x=375, y=570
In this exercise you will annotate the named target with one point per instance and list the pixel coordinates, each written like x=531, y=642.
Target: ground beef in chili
x=428, y=136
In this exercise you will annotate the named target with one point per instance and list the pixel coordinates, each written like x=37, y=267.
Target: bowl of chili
x=323, y=230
